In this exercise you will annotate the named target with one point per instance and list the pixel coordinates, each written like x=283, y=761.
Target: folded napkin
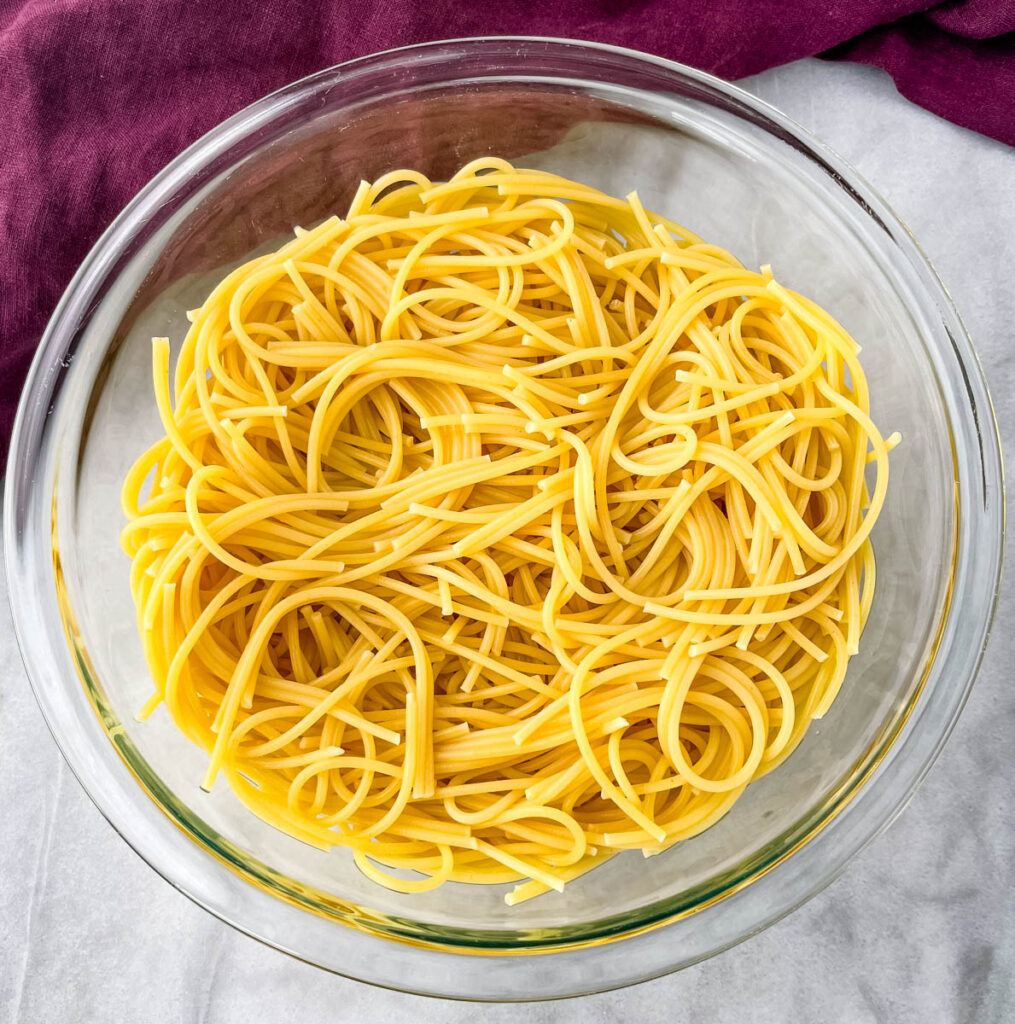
x=97, y=95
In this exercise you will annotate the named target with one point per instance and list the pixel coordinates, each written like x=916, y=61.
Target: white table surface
x=920, y=928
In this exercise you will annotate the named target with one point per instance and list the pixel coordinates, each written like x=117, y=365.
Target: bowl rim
x=43, y=384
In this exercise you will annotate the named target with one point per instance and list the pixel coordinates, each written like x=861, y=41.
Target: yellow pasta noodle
x=501, y=526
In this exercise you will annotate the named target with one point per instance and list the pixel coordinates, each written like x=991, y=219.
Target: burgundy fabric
x=97, y=95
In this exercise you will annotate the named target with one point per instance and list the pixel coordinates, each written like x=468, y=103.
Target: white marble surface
x=920, y=928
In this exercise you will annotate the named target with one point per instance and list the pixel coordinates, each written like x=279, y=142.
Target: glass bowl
x=701, y=151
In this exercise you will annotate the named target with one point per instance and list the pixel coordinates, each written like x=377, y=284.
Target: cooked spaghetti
x=500, y=526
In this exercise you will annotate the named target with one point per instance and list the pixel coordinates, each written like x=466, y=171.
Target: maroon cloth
x=97, y=95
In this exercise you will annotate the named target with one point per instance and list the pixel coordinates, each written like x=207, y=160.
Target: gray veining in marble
x=920, y=928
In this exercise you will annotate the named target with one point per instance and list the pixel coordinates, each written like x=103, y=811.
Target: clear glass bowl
x=736, y=172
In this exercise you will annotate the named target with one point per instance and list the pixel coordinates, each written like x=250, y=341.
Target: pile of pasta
x=500, y=526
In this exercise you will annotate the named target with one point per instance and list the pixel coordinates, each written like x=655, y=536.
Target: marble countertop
x=921, y=927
